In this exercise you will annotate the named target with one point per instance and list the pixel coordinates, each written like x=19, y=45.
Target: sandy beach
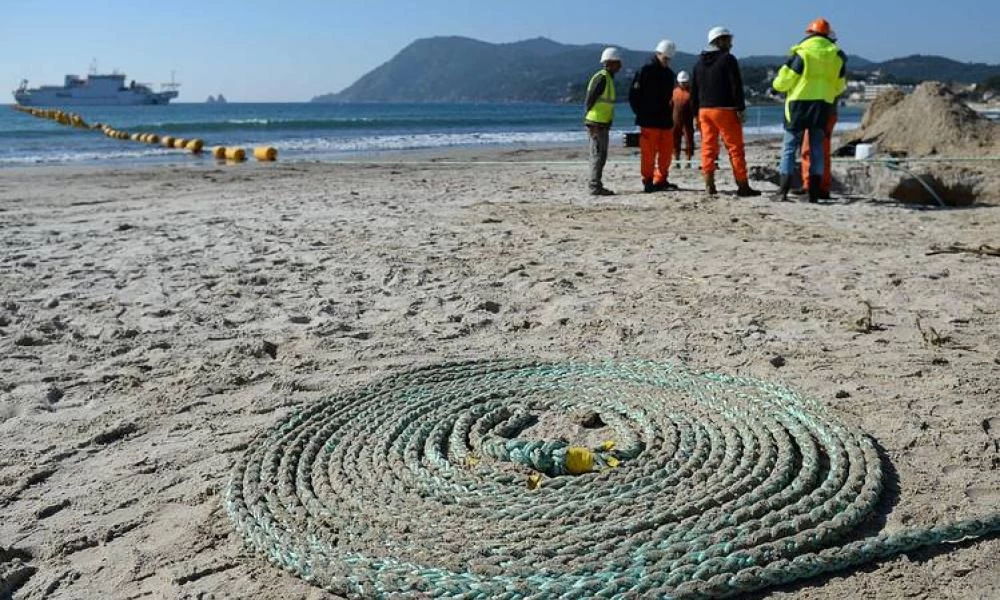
x=154, y=320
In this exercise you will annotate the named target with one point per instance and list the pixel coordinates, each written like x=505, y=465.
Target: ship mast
x=173, y=85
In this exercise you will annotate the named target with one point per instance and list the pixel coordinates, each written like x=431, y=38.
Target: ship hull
x=59, y=100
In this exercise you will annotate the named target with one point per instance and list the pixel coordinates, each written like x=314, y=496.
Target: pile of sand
x=880, y=105
x=932, y=120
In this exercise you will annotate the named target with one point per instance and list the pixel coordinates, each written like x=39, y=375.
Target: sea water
x=317, y=131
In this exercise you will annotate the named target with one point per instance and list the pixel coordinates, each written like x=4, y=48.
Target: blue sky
x=252, y=50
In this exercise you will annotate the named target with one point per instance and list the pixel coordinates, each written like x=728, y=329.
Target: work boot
x=665, y=186
x=648, y=187
x=815, y=182
x=745, y=191
x=601, y=191
x=710, y=184
x=825, y=195
x=784, y=185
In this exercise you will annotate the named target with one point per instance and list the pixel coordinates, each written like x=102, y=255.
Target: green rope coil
x=409, y=486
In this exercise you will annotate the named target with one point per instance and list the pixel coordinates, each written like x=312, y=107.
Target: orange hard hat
x=819, y=27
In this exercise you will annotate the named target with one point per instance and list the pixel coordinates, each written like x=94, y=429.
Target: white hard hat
x=666, y=48
x=717, y=32
x=683, y=77
x=611, y=53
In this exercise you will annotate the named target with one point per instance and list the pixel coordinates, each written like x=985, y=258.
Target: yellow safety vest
x=604, y=109
x=820, y=79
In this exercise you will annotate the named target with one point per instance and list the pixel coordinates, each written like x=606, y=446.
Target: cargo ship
x=95, y=90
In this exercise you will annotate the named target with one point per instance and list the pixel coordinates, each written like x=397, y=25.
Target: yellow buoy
x=134, y=137
x=179, y=143
x=219, y=152
x=579, y=460
x=167, y=141
x=265, y=153
x=195, y=146
x=236, y=154
x=153, y=138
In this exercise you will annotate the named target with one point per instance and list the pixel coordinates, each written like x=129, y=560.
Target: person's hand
x=742, y=116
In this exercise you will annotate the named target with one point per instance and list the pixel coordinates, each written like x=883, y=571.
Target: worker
x=600, y=115
x=649, y=97
x=720, y=106
x=827, y=182
x=683, y=119
x=812, y=79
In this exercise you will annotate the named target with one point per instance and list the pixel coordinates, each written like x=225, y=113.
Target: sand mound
x=931, y=120
x=880, y=105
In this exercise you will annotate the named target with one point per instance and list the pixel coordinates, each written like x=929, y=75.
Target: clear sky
x=251, y=50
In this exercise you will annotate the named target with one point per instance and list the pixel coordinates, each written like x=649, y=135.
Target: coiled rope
x=414, y=484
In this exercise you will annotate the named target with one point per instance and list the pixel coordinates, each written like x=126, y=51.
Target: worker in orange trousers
x=718, y=100
x=827, y=181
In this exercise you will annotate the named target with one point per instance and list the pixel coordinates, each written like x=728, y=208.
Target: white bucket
x=864, y=151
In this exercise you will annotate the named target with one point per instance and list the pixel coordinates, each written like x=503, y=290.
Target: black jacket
x=651, y=94
x=716, y=82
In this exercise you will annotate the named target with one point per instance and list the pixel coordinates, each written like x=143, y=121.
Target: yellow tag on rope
x=579, y=460
x=607, y=446
x=534, y=481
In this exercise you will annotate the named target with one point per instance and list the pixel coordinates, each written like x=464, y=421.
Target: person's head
x=721, y=38
x=819, y=27
x=611, y=58
x=684, y=80
x=665, y=51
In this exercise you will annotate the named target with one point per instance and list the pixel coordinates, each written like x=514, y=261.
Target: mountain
x=458, y=69
x=919, y=67
x=461, y=69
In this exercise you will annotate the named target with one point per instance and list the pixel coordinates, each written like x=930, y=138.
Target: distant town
x=864, y=86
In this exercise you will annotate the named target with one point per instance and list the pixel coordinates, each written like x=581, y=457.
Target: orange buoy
x=265, y=153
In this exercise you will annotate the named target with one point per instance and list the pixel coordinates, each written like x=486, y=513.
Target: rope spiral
x=418, y=484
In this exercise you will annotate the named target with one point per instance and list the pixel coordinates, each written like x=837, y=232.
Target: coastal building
x=872, y=91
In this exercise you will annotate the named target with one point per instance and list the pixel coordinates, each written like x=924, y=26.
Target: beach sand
x=135, y=304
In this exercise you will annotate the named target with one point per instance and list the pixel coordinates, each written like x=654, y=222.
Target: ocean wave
x=355, y=123
x=427, y=140
x=69, y=156
x=320, y=145
x=778, y=129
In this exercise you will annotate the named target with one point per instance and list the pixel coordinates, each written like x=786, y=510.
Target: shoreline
x=300, y=134
x=498, y=152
